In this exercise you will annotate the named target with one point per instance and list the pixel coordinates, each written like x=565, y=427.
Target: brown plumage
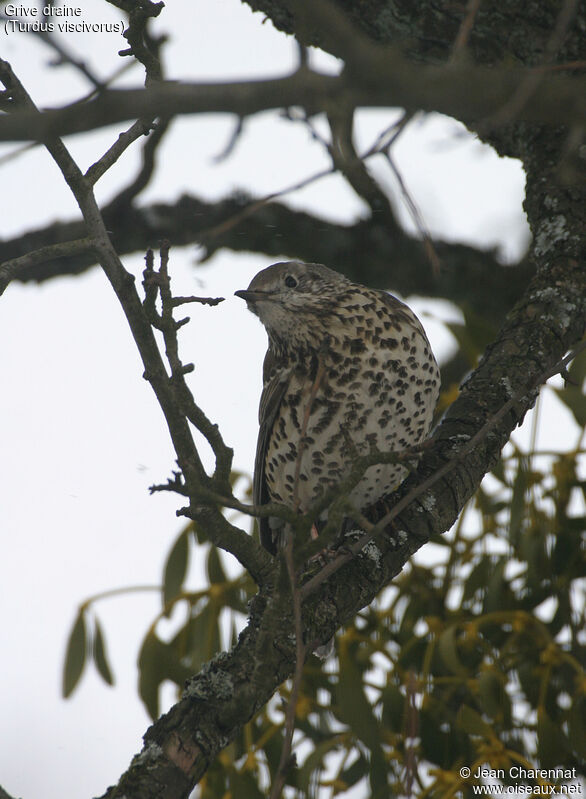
x=348, y=371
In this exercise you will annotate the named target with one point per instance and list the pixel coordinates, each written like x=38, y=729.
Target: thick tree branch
x=547, y=37
x=429, y=31
x=391, y=259
x=468, y=93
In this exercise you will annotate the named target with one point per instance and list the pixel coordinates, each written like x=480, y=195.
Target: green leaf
x=351, y=775
x=354, y=707
x=577, y=727
x=518, y=502
x=200, y=639
x=573, y=398
x=551, y=749
x=149, y=675
x=437, y=745
x=572, y=395
x=243, y=785
x=315, y=761
x=393, y=702
x=448, y=650
x=477, y=578
x=75, y=655
x=100, y=655
x=175, y=568
x=473, y=336
x=157, y=662
x=496, y=592
x=493, y=697
x=472, y=722
x=355, y=710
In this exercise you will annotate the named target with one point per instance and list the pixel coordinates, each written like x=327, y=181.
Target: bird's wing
x=275, y=386
x=402, y=312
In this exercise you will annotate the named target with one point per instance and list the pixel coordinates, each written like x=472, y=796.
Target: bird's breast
x=369, y=393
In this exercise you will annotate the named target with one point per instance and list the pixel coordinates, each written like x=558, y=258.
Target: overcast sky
x=82, y=437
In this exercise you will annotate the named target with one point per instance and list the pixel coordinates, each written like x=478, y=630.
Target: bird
x=348, y=371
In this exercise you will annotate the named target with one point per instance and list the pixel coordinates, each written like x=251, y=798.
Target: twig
x=122, y=143
x=347, y=161
x=380, y=145
x=411, y=725
x=157, y=132
x=232, y=141
x=416, y=215
x=465, y=29
x=141, y=45
x=11, y=156
x=64, y=55
x=235, y=219
x=386, y=139
x=146, y=50
x=286, y=761
x=176, y=301
x=319, y=376
x=160, y=281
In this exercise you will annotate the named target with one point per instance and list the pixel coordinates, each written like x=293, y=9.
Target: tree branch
x=13, y=268
x=470, y=94
x=428, y=32
x=396, y=260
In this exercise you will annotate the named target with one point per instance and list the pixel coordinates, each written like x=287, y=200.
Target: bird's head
x=298, y=303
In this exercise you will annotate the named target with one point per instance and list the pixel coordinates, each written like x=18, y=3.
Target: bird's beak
x=252, y=296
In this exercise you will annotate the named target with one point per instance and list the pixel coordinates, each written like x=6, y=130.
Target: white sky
x=82, y=437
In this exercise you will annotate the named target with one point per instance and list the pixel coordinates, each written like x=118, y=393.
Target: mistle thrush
x=348, y=371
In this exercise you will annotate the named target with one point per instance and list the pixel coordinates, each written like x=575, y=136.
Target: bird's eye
x=290, y=282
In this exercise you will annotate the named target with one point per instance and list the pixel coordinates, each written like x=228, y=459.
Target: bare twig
x=64, y=56
x=287, y=760
x=380, y=146
x=122, y=143
x=232, y=141
x=141, y=45
x=465, y=29
x=385, y=140
x=319, y=376
x=176, y=301
x=235, y=219
x=12, y=155
x=155, y=137
x=411, y=727
x=416, y=214
x=169, y=326
x=347, y=161
x=146, y=50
